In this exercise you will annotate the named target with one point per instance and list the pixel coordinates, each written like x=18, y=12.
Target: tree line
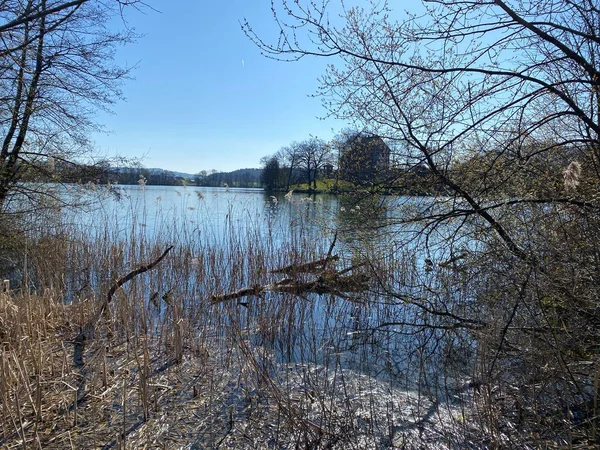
x=297, y=162
x=353, y=160
x=246, y=178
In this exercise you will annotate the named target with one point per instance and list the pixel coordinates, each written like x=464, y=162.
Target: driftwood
x=320, y=265
x=130, y=276
x=87, y=331
x=325, y=282
x=311, y=267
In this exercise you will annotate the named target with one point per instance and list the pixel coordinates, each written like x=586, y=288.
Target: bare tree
x=289, y=157
x=500, y=102
x=56, y=69
x=313, y=154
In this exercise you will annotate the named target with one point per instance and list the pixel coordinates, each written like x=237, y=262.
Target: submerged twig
x=325, y=282
x=310, y=267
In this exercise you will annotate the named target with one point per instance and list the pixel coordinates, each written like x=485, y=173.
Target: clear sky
x=203, y=97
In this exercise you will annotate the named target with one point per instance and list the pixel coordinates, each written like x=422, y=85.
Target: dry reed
x=167, y=368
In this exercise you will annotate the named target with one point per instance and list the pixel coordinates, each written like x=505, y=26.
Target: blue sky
x=203, y=97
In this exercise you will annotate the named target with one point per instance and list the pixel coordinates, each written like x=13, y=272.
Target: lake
x=245, y=322
x=228, y=239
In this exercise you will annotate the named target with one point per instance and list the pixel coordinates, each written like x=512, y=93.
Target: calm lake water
x=236, y=228
x=152, y=210
x=214, y=212
x=210, y=214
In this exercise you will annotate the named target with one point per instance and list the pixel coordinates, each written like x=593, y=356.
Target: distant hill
x=152, y=176
x=237, y=178
x=189, y=176
x=156, y=176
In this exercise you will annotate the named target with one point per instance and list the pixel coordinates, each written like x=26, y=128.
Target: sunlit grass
x=167, y=364
x=326, y=185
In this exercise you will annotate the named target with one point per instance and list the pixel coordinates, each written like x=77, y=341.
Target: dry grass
x=136, y=394
x=168, y=368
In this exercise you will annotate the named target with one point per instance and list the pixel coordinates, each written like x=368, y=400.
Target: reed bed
x=167, y=367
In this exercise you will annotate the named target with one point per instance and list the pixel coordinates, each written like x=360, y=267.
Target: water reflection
x=229, y=239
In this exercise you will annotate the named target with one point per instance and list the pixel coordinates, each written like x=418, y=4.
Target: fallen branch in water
x=130, y=276
x=326, y=282
x=87, y=330
x=311, y=267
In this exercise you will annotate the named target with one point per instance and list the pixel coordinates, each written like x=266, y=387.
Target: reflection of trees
x=300, y=219
x=360, y=220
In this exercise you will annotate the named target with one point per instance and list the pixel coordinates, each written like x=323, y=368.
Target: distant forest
x=249, y=178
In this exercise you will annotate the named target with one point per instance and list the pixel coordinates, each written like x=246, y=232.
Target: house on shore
x=364, y=158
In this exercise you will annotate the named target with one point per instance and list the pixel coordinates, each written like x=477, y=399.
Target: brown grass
x=168, y=368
